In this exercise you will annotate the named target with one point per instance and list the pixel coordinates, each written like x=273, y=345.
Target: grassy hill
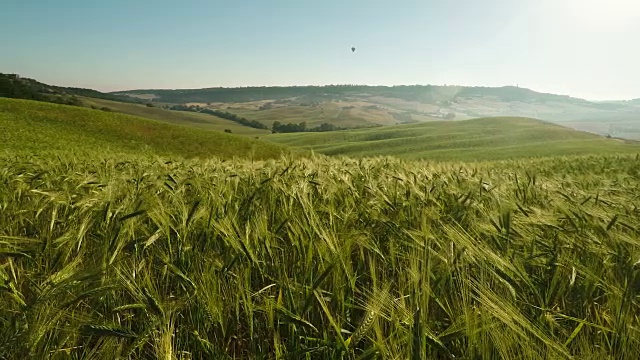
x=478, y=139
x=31, y=126
x=203, y=121
x=15, y=86
x=346, y=106
x=428, y=93
x=107, y=251
x=383, y=105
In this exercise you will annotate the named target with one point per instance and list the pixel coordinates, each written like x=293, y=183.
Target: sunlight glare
x=603, y=13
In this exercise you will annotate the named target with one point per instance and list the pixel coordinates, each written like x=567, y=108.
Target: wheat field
x=317, y=258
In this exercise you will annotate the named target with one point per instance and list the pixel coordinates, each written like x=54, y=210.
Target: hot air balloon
x=353, y=49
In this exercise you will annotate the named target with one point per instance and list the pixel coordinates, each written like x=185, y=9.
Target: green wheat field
x=156, y=253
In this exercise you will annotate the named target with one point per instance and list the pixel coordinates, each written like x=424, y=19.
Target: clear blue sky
x=583, y=48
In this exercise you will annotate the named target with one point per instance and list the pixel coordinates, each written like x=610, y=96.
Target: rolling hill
x=343, y=106
x=343, y=114
x=15, y=86
x=203, y=121
x=39, y=127
x=121, y=254
x=478, y=139
x=381, y=105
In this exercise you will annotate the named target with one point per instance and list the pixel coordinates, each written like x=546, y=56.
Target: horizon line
x=328, y=85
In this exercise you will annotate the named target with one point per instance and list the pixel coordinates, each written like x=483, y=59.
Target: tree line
x=14, y=87
x=278, y=127
x=221, y=114
x=432, y=94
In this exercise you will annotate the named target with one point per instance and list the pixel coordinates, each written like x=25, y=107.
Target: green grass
x=203, y=121
x=29, y=126
x=134, y=257
x=113, y=244
x=478, y=139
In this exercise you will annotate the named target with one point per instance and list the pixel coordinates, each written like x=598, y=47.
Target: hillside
x=203, y=121
x=478, y=139
x=427, y=93
x=110, y=251
x=17, y=87
x=343, y=114
x=39, y=127
x=14, y=86
x=344, y=106
x=381, y=105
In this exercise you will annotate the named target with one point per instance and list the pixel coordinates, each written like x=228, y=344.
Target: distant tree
x=227, y=131
x=104, y=108
x=301, y=127
x=266, y=106
x=149, y=105
x=73, y=100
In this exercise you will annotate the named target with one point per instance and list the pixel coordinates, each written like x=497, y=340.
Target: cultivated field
x=468, y=140
x=105, y=257
x=123, y=237
x=30, y=126
x=201, y=121
x=343, y=114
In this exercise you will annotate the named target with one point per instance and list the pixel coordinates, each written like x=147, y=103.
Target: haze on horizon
x=582, y=48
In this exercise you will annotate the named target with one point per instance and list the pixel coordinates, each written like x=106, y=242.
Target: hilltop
x=17, y=87
x=477, y=139
x=39, y=127
x=426, y=93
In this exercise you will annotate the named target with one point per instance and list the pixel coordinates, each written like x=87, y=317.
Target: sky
x=582, y=48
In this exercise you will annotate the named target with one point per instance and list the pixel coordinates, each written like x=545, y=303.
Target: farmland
x=325, y=258
x=124, y=237
x=328, y=180
x=361, y=106
x=484, y=139
x=197, y=120
x=36, y=127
